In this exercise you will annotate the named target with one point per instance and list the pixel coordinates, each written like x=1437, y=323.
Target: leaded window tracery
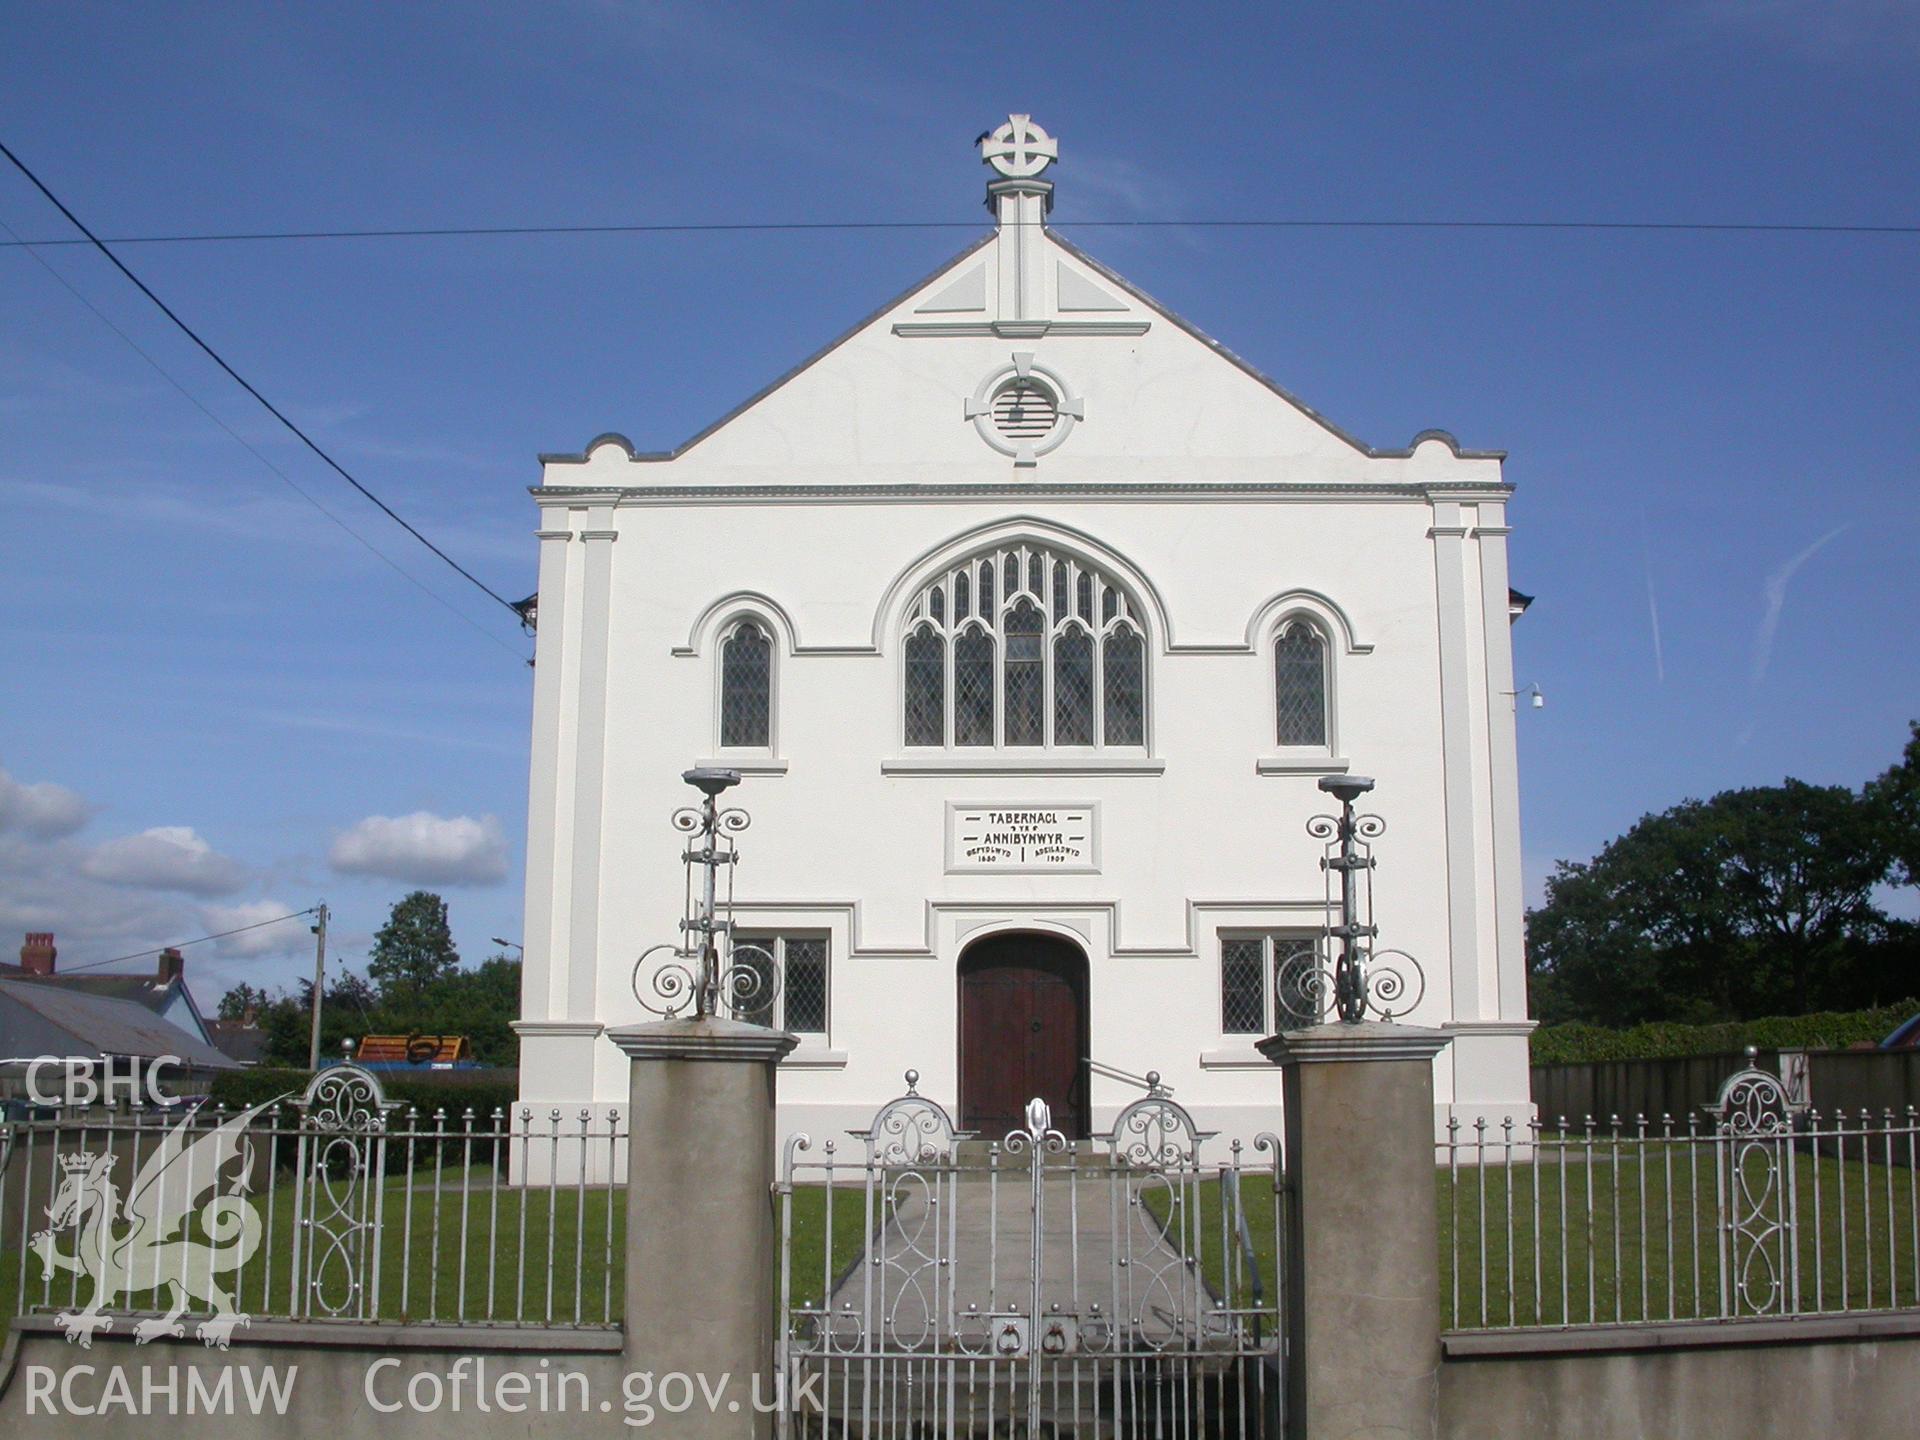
x=1005, y=649
x=746, y=687
x=1300, y=684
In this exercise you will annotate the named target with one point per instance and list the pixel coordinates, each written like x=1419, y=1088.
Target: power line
x=254, y=451
x=242, y=382
x=437, y=232
x=182, y=944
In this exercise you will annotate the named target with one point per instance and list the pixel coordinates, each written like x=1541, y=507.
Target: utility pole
x=319, y=929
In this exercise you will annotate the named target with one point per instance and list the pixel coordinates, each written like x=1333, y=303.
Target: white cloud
x=44, y=887
x=168, y=857
x=45, y=811
x=290, y=937
x=423, y=849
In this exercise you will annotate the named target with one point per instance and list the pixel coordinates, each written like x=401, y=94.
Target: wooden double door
x=1023, y=1033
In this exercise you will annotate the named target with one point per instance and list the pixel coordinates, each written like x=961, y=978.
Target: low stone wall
x=1737, y=1380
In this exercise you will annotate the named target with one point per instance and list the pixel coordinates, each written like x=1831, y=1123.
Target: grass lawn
x=1242, y=1267
x=820, y=1260
x=571, y=1273
x=1590, y=1270
x=1633, y=1234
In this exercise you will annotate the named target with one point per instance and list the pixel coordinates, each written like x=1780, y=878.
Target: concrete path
x=959, y=1249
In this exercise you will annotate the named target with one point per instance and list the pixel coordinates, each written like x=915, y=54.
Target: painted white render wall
x=822, y=507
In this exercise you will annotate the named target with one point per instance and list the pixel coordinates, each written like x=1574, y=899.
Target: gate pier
x=1363, y=1298
x=700, y=1241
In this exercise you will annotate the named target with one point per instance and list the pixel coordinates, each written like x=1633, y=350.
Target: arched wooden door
x=1023, y=1033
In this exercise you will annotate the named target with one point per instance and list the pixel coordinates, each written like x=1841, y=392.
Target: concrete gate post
x=701, y=1256
x=1363, y=1291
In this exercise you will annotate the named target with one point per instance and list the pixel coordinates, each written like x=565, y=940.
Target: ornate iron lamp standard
x=1360, y=982
x=705, y=970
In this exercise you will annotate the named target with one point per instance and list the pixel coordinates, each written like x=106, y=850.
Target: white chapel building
x=1031, y=617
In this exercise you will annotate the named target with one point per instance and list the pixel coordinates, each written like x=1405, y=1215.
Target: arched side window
x=1021, y=647
x=1300, y=688
x=746, y=687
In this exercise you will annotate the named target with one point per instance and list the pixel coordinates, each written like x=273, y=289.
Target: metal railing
x=336, y=1204
x=1751, y=1208
x=1149, y=1082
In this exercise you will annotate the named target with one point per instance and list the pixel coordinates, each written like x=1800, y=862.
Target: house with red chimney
x=163, y=991
x=130, y=1019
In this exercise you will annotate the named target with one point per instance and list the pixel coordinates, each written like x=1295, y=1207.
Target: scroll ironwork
x=1345, y=975
x=704, y=971
x=1758, y=1194
x=341, y=1165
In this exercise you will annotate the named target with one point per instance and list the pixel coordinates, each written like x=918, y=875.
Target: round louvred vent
x=1025, y=409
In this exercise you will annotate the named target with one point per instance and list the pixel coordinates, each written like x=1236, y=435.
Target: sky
x=230, y=688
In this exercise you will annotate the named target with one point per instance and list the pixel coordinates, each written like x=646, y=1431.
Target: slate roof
x=142, y=989
x=99, y=1024
x=238, y=1040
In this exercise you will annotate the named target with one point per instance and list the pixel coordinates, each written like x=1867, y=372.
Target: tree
x=1753, y=902
x=350, y=1011
x=243, y=1002
x=412, y=951
x=1897, y=791
x=481, y=1004
x=413, y=986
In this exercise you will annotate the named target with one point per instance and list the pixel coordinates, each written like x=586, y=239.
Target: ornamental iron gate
x=942, y=1285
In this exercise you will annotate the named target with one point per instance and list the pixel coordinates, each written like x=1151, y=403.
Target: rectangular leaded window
x=1252, y=999
x=805, y=964
x=799, y=1002
x=1243, y=1005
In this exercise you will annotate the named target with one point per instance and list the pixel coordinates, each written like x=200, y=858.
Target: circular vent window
x=1025, y=409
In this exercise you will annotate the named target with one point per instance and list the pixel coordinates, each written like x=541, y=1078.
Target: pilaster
x=589, y=775
x=1503, y=763
x=544, y=939
x=1022, y=207
x=1449, y=532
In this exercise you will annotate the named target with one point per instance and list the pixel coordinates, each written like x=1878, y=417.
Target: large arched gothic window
x=1022, y=647
x=746, y=687
x=1300, y=684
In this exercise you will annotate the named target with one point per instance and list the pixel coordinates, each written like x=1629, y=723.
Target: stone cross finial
x=1019, y=149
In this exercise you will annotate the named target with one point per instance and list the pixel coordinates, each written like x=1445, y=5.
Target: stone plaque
x=1029, y=838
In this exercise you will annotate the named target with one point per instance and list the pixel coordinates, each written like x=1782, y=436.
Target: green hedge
x=1577, y=1044
x=421, y=1094
x=427, y=1091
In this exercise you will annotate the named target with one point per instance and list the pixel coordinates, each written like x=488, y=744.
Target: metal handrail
x=1149, y=1082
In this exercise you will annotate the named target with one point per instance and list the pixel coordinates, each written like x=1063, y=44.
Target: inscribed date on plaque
x=1025, y=837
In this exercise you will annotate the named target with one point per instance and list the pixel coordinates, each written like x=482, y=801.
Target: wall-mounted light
x=1538, y=700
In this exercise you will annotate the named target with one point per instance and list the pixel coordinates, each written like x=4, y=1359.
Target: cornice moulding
x=1342, y=1043
x=722, y=1040
x=1155, y=490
